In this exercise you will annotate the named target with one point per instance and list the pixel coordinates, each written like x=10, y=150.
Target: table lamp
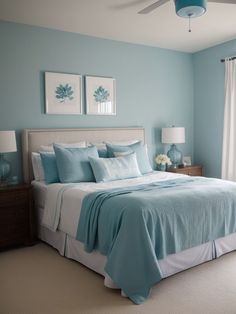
x=173, y=135
x=7, y=145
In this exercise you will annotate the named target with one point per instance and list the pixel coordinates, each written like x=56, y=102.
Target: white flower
x=163, y=160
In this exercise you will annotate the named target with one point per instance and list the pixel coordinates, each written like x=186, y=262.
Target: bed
x=63, y=234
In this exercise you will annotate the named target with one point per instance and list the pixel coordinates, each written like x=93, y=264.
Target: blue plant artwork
x=64, y=92
x=101, y=94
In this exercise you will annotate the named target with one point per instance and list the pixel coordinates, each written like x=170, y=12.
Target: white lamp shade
x=7, y=142
x=173, y=135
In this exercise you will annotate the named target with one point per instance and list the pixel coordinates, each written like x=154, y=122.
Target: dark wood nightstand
x=16, y=221
x=196, y=170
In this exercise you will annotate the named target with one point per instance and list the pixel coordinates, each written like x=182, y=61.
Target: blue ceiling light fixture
x=190, y=8
x=186, y=8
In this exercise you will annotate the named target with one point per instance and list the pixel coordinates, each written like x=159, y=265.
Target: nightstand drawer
x=13, y=234
x=17, y=199
x=189, y=170
x=16, y=224
x=7, y=239
x=8, y=210
x=13, y=217
x=13, y=207
x=194, y=172
x=12, y=231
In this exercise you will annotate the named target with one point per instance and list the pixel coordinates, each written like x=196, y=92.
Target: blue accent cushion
x=109, y=169
x=138, y=148
x=73, y=163
x=102, y=152
x=49, y=167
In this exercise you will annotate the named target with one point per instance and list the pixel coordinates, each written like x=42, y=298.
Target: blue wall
x=209, y=106
x=154, y=86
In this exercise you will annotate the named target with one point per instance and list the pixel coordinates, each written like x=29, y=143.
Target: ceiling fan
x=185, y=8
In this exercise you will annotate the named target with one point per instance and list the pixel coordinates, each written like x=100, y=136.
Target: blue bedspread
x=136, y=226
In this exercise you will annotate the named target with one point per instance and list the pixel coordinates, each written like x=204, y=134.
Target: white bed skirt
x=172, y=264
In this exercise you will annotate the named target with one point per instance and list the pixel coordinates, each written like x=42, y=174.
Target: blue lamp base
x=4, y=169
x=175, y=156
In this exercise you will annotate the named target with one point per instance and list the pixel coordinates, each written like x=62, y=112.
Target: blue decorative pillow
x=138, y=148
x=101, y=147
x=49, y=167
x=102, y=152
x=73, y=163
x=109, y=169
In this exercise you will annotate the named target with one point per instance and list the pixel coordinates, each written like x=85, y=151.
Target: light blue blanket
x=136, y=226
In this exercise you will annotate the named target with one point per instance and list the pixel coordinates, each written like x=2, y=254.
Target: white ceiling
x=118, y=20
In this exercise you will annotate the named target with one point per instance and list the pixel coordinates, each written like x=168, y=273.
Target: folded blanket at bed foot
x=136, y=226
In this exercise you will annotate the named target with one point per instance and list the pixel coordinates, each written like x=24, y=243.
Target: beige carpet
x=37, y=280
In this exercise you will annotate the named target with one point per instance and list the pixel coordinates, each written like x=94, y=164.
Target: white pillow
x=122, y=143
x=109, y=169
x=37, y=167
x=102, y=145
x=120, y=154
x=49, y=148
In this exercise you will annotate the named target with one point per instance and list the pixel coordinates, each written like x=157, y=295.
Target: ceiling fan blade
x=223, y=1
x=153, y=6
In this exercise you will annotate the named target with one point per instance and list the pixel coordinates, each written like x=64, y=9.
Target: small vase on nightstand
x=161, y=167
x=162, y=162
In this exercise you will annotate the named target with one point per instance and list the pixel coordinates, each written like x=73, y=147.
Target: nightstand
x=196, y=170
x=16, y=223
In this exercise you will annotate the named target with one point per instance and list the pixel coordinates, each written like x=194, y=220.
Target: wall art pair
x=63, y=93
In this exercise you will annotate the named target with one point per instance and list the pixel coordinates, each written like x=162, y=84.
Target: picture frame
x=187, y=161
x=63, y=93
x=100, y=95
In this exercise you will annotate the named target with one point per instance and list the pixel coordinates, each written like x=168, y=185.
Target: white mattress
x=73, y=196
x=40, y=190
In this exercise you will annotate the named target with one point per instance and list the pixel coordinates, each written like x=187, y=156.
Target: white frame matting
x=100, y=95
x=63, y=93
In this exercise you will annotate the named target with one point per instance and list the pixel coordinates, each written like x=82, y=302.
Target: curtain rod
x=230, y=59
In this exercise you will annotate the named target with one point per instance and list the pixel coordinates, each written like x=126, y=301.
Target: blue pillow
x=49, y=167
x=73, y=164
x=138, y=148
x=109, y=169
x=102, y=152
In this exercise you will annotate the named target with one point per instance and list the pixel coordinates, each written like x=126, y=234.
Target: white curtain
x=229, y=137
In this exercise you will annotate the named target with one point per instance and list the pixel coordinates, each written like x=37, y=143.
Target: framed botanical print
x=100, y=95
x=63, y=93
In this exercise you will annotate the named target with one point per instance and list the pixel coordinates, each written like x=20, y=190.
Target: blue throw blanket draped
x=136, y=226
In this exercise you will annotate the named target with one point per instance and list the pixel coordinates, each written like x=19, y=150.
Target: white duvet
x=63, y=201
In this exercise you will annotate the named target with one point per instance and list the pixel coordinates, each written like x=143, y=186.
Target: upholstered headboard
x=34, y=138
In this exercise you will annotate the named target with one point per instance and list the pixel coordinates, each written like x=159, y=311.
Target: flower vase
x=161, y=167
